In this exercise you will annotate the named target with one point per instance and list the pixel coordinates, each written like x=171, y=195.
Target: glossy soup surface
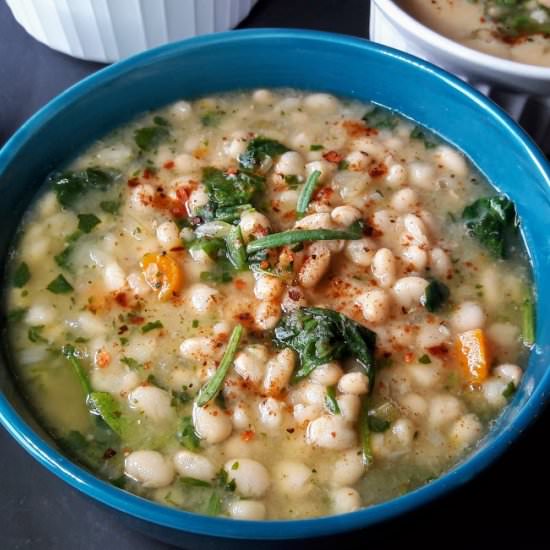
x=518, y=30
x=357, y=361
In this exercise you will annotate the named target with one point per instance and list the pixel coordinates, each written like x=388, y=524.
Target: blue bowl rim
x=180, y=520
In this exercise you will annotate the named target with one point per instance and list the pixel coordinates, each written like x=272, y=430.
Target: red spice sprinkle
x=294, y=294
x=439, y=351
x=122, y=329
x=333, y=434
x=109, y=453
x=290, y=430
x=182, y=194
x=240, y=284
x=121, y=299
x=356, y=128
x=169, y=164
x=133, y=182
x=264, y=264
x=409, y=357
x=148, y=174
x=136, y=319
x=333, y=156
x=248, y=435
x=378, y=170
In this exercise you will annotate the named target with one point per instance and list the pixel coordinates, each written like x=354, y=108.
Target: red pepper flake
x=290, y=430
x=333, y=156
x=323, y=194
x=231, y=171
x=122, y=329
x=109, y=453
x=133, y=182
x=356, y=128
x=178, y=211
x=182, y=194
x=245, y=317
x=248, y=435
x=240, y=284
x=121, y=299
x=294, y=294
x=148, y=174
x=177, y=249
x=378, y=170
x=135, y=319
x=439, y=351
x=409, y=357
x=169, y=164
x=333, y=434
x=264, y=264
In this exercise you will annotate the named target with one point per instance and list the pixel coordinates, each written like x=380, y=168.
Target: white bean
x=292, y=478
x=331, y=432
x=250, y=363
x=327, y=374
x=271, y=412
x=349, y=468
x=350, y=406
x=113, y=276
x=290, y=163
x=204, y=298
x=262, y=97
x=467, y=316
x=414, y=404
x=42, y=314
x=357, y=161
x=315, y=265
x=268, y=287
x=321, y=103
x=345, y=500
x=375, y=305
x=149, y=468
x=253, y=223
x=306, y=413
x=465, y=431
x=267, y=314
x=247, y=509
x=493, y=389
x=321, y=220
x=361, y=251
x=432, y=335
x=416, y=258
x=168, y=235
x=187, y=163
x=211, y=423
x=153, y=402
x=440, y=264
x=251, y=477
x=509, y=373
x=416, y=228
x=241, y=418
x=407, y=291
x=443, y=409
x=197, y=199
x=384, y=267
x=278, y=372
x=181, y=110
x=194, y=465
x=293, y=298
x=421, y=174
x=402, y=433
x=396, y=175
x=138, y=284
x=326, y=169
x=198, y=349
x=404, y=200
x=451, y=159
x=345, y=215
x=424, y=376
x=355, y=383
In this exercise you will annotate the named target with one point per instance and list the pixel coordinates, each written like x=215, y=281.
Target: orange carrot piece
x=473, y=354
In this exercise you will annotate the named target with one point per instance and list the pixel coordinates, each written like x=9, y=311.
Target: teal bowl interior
x=275, y=58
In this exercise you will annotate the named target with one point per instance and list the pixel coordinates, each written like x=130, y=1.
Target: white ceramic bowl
x=110, y=30
x=523, y=90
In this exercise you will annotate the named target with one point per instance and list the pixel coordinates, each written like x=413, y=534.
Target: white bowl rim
x=457, y=50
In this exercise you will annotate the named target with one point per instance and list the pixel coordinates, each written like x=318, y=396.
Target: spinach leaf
x=91, y=452
x=491, y=220
x=381, y=118
x=21, y=276
x=86, y=222
x=435, y=295
x=422, y=135
x=258, y=150
x=60, y=285
x=70, y=186
x=228, y=189
x=321, y=335
x=16, y=315
x=212, y=118
x=71, y=354
x=330, y=400
x=509, y=391
x=35, y=336
x=376, y=424
x=63, y=259
x=186, y=434
x=105, y=405
x=110, y=207
x=149, y=138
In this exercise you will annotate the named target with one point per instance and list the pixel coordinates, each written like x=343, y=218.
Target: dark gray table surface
x=505, y=505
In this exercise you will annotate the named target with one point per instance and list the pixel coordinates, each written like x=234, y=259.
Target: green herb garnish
x=21, y=275
x=330, y=400
x=60, y=285
x=381, y=118
x=86, y=222
x=186, y=434
x=258, y=150
x=152, y=325
x=425, y=359
x=213, y=386
x=35, y=336
x=435, y=295
x=421, y=135
x=306, y=193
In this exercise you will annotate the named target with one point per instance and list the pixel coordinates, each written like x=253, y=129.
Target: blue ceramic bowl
x=273, y=58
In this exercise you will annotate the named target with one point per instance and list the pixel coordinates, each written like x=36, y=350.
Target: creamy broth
x=141, y=274
x=518, y=30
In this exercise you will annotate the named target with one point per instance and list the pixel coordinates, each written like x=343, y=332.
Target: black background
x=504, y=506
